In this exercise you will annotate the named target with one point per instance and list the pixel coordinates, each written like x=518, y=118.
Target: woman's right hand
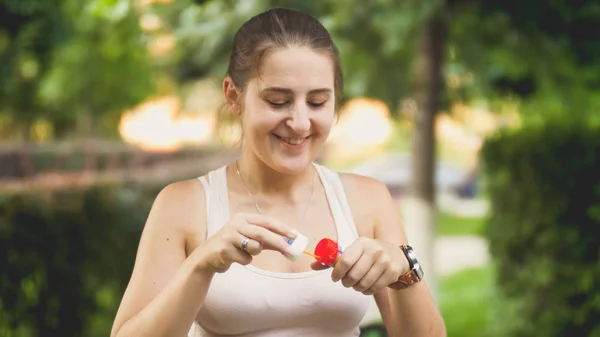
x=225, y=247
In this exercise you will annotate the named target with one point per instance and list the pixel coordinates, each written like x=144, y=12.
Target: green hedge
x=543, y=229
x=66, y=256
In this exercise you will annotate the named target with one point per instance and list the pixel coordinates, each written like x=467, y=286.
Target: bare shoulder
x=368, y=198
x=363, y=184
x=181, y=200
x=180, y=207
x=184, y=191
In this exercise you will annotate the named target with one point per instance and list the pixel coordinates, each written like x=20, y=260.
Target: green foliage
x=575, y=22
x=103, y=69
x=29, y=32
x=376, y=41
x=66, y=59
x=544, y=189
x=542, y=56
x=205, y=33
x=66, y=258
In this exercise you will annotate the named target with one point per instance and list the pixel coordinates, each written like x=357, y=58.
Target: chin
x=290, y=159
x=291, y=165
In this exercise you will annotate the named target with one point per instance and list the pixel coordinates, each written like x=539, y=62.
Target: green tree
x=104, y=68
x=30, y=30
x=542, y=55
x=71, y=61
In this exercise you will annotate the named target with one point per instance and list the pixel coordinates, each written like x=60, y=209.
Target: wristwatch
x=414, y=275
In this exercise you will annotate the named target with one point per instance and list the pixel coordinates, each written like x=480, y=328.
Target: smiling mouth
x=293, y=141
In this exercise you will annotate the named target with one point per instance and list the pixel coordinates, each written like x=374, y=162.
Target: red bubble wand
x=327, y=252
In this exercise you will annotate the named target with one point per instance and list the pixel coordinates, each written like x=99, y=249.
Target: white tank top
x=247, y=301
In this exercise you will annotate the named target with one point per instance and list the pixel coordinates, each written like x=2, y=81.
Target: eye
x=316, y=104
x=278, y=104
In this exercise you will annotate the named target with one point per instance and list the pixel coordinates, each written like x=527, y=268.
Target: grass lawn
x=452, y=225
x=465, y=299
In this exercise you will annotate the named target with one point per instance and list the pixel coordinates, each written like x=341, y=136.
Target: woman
x=211, y=255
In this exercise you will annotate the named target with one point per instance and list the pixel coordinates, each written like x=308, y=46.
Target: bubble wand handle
x=311, y=254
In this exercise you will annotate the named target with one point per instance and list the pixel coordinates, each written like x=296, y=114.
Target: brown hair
x=279, y=28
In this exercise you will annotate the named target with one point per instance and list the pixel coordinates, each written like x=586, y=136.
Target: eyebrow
x=289, y=91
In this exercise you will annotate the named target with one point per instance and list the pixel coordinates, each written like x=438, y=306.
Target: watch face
x=419, y=271
x=414, y=263
x=410, y=254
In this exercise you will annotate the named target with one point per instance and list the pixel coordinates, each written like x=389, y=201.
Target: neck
x=262, y=179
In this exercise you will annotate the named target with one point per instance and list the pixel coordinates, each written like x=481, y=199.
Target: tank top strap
x=217, y=201
x=207, y=194
x=338, y=202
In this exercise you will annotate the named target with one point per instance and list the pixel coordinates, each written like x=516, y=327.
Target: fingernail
x=294, y=233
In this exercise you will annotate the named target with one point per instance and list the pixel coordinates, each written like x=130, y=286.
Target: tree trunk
x=420, y=205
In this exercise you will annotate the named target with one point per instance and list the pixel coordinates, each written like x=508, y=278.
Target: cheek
x=256, y=126
x=255, y=116
x=324, y=123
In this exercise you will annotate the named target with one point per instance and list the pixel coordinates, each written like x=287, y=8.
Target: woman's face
x=289, y=109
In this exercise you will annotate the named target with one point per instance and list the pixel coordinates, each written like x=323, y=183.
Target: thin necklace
x=256, y=203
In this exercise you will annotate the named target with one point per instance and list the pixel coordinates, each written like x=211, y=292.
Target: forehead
x=297, y=68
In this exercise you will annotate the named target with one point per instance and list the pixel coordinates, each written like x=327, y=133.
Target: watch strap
x=406, y=280
x=410, y=277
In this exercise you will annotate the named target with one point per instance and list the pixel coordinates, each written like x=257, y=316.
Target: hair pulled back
x=279, y=28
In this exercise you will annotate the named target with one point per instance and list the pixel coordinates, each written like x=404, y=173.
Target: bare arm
x=407, y=312
x=157, y=300
x=383, y=304
x=167, y=289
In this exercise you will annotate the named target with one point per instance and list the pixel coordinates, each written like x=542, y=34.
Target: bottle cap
x=297, y=246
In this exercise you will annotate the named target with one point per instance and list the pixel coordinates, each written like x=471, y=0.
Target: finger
x=271, y=224
x=253, y=247
x=346, y=261
x=267, y=239
x=358, y=271
x=383, y=281
x=241, y=257
x=230, y=254
x=370, y=278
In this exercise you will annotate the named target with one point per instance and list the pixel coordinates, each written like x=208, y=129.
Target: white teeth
x=293, y=141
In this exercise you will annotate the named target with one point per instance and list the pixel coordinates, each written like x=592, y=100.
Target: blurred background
x=482, y=117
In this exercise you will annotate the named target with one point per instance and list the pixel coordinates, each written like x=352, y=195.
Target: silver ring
x=245, y=243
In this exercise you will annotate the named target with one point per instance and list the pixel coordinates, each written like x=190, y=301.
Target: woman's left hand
x=368, y=265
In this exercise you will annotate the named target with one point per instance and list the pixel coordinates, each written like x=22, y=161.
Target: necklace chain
x=258, y=209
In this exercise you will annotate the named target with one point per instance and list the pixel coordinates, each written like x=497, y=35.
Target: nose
x=299, y=121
